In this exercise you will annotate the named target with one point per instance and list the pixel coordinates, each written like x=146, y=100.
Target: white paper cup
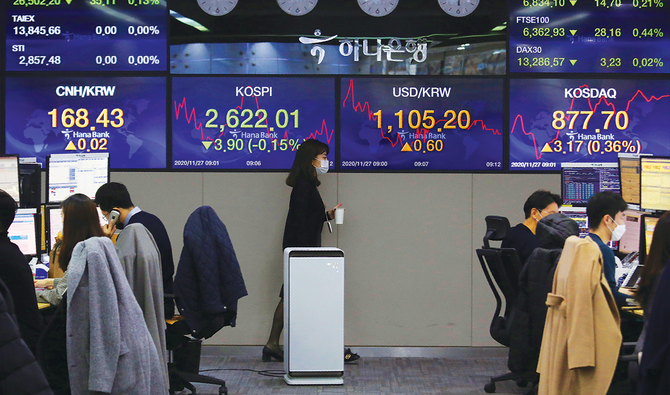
x=339, y=215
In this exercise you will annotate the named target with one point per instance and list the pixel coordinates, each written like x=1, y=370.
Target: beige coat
x=582, y=338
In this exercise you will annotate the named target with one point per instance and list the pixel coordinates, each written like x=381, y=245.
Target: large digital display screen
x=100, y=35
x=421, y=124
x=249, y=123
x=554, y=121
x=125, y=116
x=601, y=36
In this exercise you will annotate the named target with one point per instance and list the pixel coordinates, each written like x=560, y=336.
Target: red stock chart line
x=365, y=107
x=592, y=107
x=190, y=116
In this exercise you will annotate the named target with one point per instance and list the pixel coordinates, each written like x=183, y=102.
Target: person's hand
x=331, y=213
x=47, y=282
x=108, y=230
x=627, y=291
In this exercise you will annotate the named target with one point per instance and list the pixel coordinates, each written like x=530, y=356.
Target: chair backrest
x=496, y=228
x=501, y=267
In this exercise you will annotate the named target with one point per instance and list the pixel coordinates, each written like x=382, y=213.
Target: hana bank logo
x=418, y=48
x=317, y=50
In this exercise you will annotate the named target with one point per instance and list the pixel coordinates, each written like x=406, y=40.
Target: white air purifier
x=314, y=316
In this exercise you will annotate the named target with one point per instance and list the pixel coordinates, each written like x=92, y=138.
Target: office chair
x=184, y=355
x=501, y=267
x=207, y=286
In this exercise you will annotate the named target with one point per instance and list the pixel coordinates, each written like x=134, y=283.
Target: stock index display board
x=86, y=35
x=248, y=123
x=554, y=121
x=421, y=124
x=124, y=116
x=594, y=36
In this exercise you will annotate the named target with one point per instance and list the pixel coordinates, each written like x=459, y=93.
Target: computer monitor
x=578, y=214
x=630, y=241
x=655, y=183
x=30, y=184
x=24, y=230
x=629, y=178
x=55, y=223
x=646, y=235
x=9, y=176
x=68, y=174
x=582, y=180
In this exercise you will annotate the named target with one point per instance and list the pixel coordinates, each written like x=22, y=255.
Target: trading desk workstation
x=434, y=119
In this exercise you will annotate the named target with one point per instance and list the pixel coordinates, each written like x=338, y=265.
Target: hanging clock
x=297, y=7
x=458, y=8
x=377, y=7
x=217, y=7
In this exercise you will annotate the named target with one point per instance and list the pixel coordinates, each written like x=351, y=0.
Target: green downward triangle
x=573, y=2
x=68, y=1
x=207, y=144
x=573, y=61
x=573, y=32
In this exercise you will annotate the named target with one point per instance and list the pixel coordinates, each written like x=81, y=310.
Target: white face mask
x=618, y=232
x=323, y=169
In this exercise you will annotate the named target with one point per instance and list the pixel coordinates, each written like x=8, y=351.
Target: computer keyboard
x=629, y=260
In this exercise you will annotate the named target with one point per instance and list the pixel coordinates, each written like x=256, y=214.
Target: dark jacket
x=16, y=274
x=306, y=215
x=209, y=280
x=535, y=282
x=655, y=366
x=19, y=372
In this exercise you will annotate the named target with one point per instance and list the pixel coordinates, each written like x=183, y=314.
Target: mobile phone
x=113, y=217
x=330, y=227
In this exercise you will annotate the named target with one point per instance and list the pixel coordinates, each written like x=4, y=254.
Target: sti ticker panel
x=124, y=116
x=427, y=124
x=249, y=123
x=554, y=121
x=601, y=36
x=94, y=35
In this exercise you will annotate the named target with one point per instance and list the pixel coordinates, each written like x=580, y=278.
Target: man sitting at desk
x=522, y=237
x=16, y=274
x=114, y=195
x=606, y=222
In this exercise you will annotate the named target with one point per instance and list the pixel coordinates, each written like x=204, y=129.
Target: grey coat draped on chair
x=141, y=262
x=109, y=348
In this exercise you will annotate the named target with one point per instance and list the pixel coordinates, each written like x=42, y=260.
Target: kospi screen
x=601, y=36
x=124, y=116
x=554, y=121
x=76, y=35
x=249, y=123
x=421, y=124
